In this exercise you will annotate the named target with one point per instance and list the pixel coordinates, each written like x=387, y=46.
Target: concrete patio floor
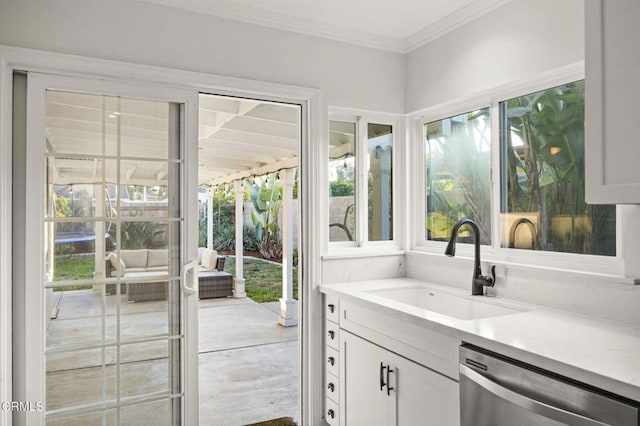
x=248, y=364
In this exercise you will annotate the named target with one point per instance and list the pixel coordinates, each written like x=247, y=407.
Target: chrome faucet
x=479, y=281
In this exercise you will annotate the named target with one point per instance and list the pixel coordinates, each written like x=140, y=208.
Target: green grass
x=263, y=280
x=73, y=267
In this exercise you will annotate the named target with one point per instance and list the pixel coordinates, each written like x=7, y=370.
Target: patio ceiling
x=238, y=138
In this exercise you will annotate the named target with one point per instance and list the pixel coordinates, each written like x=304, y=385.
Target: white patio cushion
x=158, y=257
x=118, y=265
x=200, y=253
x=134, y=258
x=209, y=259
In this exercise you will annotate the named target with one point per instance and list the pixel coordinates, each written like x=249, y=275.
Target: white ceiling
x=399, y=25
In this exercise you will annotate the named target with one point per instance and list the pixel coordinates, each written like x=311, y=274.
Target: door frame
x=313, y=127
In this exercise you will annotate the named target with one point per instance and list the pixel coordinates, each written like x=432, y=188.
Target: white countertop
x=601, y=353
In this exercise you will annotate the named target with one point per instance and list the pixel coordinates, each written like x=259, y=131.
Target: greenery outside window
x=342, y=181
x=543, y=203
x=458, y=166
x=360, y=178
x=525, y=185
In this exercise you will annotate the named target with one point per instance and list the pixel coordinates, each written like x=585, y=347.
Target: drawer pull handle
x=382, y=383
x=331, y=360
x=331, y=387
x=332, y=334
x=331, y=413
x=331, y=307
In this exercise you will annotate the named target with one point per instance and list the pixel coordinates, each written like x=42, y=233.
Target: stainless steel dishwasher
x=499, y=391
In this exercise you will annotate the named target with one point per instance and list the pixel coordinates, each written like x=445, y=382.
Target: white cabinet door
x=363, y=400
x=612, y=66
x=408, y=394
x=424, y=397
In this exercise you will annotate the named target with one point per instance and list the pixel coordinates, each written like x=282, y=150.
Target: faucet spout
x=479, y=281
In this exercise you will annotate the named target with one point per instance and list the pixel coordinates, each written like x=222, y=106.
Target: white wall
x=516, y=41
x=132, y=31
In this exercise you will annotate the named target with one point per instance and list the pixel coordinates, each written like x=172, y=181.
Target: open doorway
x=248, y=154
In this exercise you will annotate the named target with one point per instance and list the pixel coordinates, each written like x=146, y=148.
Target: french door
x=110, y=231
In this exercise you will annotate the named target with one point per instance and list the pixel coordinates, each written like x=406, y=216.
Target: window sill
x=494, y=260
x=359, y=252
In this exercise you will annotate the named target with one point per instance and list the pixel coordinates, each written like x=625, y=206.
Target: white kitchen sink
x=443, y=303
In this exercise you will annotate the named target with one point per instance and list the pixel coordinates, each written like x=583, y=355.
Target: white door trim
x=314, y=118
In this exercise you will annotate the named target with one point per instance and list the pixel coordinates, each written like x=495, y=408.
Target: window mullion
x=362, y=172
x=496, y=177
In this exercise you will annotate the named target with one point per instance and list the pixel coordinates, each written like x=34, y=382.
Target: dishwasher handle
x=527, y=403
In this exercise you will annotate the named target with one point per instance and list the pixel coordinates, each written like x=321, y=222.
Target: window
x=542, y=155
x=342, y=182
x=380, y=156
x=536, y=201
x=458, y=165
x=360, y=178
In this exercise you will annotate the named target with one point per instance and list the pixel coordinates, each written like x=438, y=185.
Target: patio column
x=210, y=219
x=288, y=305
x=238, y=291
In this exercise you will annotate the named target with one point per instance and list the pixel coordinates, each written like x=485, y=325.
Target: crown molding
x=236, y=12
x=228, y=10
x=450, y=23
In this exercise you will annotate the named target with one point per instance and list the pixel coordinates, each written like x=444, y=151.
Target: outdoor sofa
x=147, y=263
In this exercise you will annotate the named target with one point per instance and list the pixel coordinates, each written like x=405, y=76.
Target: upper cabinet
x=612, y=61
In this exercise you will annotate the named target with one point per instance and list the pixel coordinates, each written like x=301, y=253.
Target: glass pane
x=380, y=156
x=106, y=418
x=342, y=200
x=81, y=377
x=73, y=200
x=141, y=361
x=156, y=413
x=75, y=250
x=144, y=188
x=146, y=313
x=458, y=164
x=543, y=204
x=78, y=317
x=143, y=128
x=75, y=123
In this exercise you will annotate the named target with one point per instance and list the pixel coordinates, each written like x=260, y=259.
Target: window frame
x=362, y=119
x=584, y=263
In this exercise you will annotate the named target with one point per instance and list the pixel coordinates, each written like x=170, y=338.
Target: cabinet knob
x=331, y=414
x=331, y=387
x=331, y=307
x=332, y=334
x=331, y=360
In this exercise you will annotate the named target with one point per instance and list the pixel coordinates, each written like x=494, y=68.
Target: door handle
x=382, y=383
x=389, y=388
x=193, y=288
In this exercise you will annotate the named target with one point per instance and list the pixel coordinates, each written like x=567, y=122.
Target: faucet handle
x=486, y=280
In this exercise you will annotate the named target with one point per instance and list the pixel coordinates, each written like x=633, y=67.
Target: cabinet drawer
x=419, y=344
x=332, y=308
x=332, y=412
x=332, y=335
x=332, y=362
x=332, y=387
